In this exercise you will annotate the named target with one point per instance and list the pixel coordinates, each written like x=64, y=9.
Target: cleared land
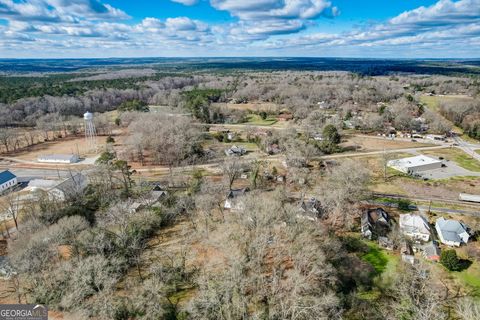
x=375, y=143
x=251, y=106
x=63, y=146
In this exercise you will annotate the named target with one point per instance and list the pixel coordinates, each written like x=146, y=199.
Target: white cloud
x=269, y=25
x=186, y=2
x=268, y=9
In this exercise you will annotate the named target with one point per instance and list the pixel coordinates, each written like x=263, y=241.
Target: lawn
x=470, y=277
x=384, y=262
x=257, y=120
x=454, y=154
x=377, y=258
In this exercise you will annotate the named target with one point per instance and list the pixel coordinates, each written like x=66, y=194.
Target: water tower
x=90, y=132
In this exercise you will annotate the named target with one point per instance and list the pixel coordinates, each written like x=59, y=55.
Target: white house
x=7, y=180
x=62, y=190
x=58, y=158
x=415, y=164
x=451, y=232
x=415, y=227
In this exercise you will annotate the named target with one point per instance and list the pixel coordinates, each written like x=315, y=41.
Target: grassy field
x=385, y=264
x=257, y=120
x=458, y=156
x=433, y=102
x=471, y=277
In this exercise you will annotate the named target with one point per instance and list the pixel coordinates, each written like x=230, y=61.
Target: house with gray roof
x=451, y=232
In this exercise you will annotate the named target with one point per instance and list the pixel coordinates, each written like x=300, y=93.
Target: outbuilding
x=7, y=180
x=58, y=158
x=415, y=164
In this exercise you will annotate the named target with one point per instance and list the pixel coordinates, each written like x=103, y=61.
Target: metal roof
x=6, y=176
x=65, y=157
x=451, y=229
x=414, y=223
x=469, y=197
x=413, y=161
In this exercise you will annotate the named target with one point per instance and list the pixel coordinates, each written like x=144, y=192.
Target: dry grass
x=365, y=144
x=254, y=106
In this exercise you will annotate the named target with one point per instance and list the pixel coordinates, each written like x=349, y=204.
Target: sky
x=235, y=28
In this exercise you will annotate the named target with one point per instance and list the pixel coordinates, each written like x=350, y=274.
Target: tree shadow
x=464, y=264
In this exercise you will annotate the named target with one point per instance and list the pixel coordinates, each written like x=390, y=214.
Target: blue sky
x=341, y=28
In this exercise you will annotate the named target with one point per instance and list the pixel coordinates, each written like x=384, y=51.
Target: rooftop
x=451, y=229
x=6, y=176
x=65, y=157
x=414, y=223
x=413, y=161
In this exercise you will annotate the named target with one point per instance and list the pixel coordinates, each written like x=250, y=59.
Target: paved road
x=468, y=148
x=38, y=173
x=472, y=205
x=370, y=153
x=426, y=208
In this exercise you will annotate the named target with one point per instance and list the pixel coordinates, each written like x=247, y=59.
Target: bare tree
x=10, y=205
x=232, y=168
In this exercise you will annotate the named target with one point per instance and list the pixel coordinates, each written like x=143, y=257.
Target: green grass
x=477, y=151
x=257, y=120
x=467, y=162
x=470, y=277
x=463, y=160
x=432, y=102
x=377, y=259
x=385, y=264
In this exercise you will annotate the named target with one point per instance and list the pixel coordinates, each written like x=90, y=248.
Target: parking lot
x=451, y=169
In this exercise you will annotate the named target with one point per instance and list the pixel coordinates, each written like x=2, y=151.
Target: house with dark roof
x=375, y=223
x=451, y=232
x=7, y=180
x=311, y=207
x=234, y=199
x=235, y=151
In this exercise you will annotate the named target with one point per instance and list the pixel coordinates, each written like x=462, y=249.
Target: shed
x=431, y=251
